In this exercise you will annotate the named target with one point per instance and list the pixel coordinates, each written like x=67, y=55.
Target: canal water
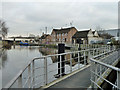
x=14, y=59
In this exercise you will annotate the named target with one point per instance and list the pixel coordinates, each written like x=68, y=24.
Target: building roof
x=81, y=34
x=63, y=30
x=44, y=36
x=23, y=37
x=93, y=32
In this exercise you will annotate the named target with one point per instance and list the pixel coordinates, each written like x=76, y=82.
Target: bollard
x=61, y=60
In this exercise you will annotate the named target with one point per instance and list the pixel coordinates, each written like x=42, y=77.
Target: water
x=14, y=59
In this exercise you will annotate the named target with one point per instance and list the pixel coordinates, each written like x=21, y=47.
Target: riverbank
x=0, y=44
x=54, y=46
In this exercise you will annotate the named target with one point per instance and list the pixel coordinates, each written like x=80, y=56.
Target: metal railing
x=41, y=71
x=102, y=66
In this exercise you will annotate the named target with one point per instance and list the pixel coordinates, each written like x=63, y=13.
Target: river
x=14, y=59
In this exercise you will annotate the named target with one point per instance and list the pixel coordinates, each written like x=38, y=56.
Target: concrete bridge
x=92, y=69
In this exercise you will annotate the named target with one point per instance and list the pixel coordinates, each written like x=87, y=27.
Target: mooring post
x=61, y=60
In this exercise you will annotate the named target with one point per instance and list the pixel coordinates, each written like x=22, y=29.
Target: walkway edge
x=64, y=77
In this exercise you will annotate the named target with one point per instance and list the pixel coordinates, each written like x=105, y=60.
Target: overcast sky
x=24, y=18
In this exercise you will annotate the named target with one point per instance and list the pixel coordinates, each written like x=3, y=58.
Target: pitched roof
x=63, y=30
x=23, y=37
x=81, y=34
x=44, y=36
x=93, y=32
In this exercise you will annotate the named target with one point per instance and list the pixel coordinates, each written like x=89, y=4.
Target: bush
x=6, y=45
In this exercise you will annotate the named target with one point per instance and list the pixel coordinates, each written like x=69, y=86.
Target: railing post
x=84, y=58
x=20, y=81
x=89, y=56
x=33, y=74
x=70, y=63
x=92, y=75
x=29, y=74
x=95, y=75
x=93, y=52
x=100, y=70
x=60, y=66
x=45, y=70
x=78, y=60
x=118, y=80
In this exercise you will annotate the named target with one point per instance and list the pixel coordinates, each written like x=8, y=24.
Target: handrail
x=106, y=65
x=99, y=68
x=22, y=70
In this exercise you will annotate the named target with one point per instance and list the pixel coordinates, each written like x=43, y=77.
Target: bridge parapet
x=102, y=66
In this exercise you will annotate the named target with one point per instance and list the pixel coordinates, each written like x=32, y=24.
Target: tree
x=3, y=29
x=106, y=35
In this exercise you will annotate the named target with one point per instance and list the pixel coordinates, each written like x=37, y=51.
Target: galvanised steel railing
x=41, y=71
x=101, y=66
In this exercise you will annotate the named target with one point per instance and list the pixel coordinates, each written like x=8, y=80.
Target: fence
x=101, y=66
x=41, y=71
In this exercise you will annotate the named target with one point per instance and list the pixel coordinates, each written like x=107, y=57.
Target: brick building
x=63, y=35
x=45, y=39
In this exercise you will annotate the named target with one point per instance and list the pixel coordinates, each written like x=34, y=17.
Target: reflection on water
x=14, y=59
x=3, y=58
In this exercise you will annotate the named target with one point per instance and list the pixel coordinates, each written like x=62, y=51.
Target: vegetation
x=4, y=32
x=6, y=45
x=49, y=45
x=3, y=29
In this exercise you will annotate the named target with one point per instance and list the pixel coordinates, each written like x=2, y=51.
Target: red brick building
x=63, y=35
x=45, y=39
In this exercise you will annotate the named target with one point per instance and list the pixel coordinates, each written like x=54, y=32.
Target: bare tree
x=3, y=29
x=99, y=28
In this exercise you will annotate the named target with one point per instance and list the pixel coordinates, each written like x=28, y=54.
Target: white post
x=89, y=56
x=95, y=75
x=78, y=60
x=45, y=70
x=118, y=80
x=84, y=58
x=70, y=63
x=29, y=74
x=93, y=52
x=33, y=74
x=60, y=66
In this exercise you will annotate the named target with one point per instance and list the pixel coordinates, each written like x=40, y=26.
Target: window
x=59, y=34
x=59, y=39
x=63, y=39
x=63, y=34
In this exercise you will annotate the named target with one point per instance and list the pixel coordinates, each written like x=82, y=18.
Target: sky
x=25, y=17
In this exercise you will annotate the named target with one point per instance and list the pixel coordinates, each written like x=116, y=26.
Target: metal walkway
x=78, y=80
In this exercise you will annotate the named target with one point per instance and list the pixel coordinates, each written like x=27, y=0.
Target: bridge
x=90, y=68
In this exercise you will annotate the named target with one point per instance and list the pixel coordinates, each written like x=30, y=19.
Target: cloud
x=31, y=17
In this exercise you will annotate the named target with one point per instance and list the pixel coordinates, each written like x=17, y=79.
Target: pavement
x=78, y=80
